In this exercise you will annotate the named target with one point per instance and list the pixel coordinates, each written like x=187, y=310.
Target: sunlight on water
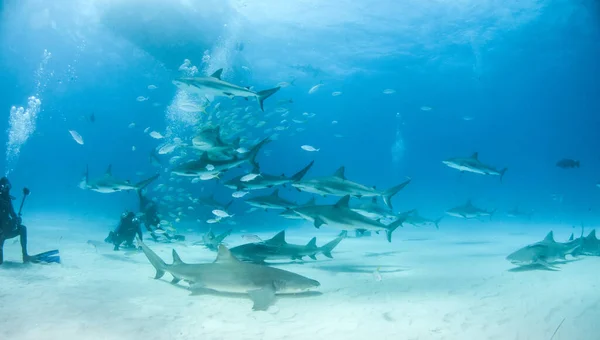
x=22, y=120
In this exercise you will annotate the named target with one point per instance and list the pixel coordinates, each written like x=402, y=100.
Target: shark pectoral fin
x=175, y=280
x=313, y=257
x=319, y=222
x=262, y=298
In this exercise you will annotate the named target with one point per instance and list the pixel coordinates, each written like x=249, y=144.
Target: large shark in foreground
x=342, y=217
x=468, y=210
x=276, y=248
x=214, y=86
x=229, y=275
x=108, y=184
x=338, y=185
x=474, y=165
x=545, y=253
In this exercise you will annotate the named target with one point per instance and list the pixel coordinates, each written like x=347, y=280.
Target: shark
x=545, y=253
x=212, y=241
x=208, y=166
x=276, y=248
x=209, y=140
x=272, y=201
x=589, y=245
x=215, y=86
x=419, y=221
x=373, y=210
x=474, y=165
x=227, y=274
x=292, y=215
x=211, y=202
x=339, y=185
x=342, y=217
x=519, y=214
x=108, y=184
x=468, y=210
x=265, y=181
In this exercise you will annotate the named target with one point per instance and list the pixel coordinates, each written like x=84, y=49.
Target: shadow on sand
x=360, y=268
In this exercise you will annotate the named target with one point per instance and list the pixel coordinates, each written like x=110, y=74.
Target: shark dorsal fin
x=592, y=235
x=225, y=256
x=109, y=170
x=312, y=244
x=176, y=258
x=475, y=155
x=549, y=237
x=217, y=74
x=340, y=172
x=572, y=237
x=343, y=202
x=275, y=193
x=277, y=239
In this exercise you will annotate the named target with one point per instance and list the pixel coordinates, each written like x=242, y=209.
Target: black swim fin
x=45, y=257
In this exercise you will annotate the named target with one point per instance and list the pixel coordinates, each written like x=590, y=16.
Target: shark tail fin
x=327, y=248
x=254, y=152
x=262, y=95
x=300, y=174
x=154, y=259
x=502, y=172
x=437, y=222
x=142, y=184
x=397, y=223
x=388, y=194
x=228, y=204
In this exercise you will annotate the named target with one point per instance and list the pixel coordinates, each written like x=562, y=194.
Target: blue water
x=525, y=72
x=516, y=81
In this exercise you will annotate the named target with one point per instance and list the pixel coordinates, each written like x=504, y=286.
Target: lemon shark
x=474, y=165
x=342, y=217
x=215, y=86
x=339, y=185
x=227, y=274
x=265, y=181
x=545, y=253
x=208, y=166
x=469, y=211
x=276, y=248
x=108, y=184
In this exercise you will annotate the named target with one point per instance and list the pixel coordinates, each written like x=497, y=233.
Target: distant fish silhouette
x=567, y=163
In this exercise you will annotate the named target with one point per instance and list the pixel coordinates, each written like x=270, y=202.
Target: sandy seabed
x=449, y=284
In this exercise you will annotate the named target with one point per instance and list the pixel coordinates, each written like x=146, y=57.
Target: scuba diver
x=129, y=226
x=151, y=220
x=11, y=226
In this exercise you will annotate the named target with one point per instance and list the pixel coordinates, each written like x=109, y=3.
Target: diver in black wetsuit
x=10, y=222
x=128, y=227
x=149, y=209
